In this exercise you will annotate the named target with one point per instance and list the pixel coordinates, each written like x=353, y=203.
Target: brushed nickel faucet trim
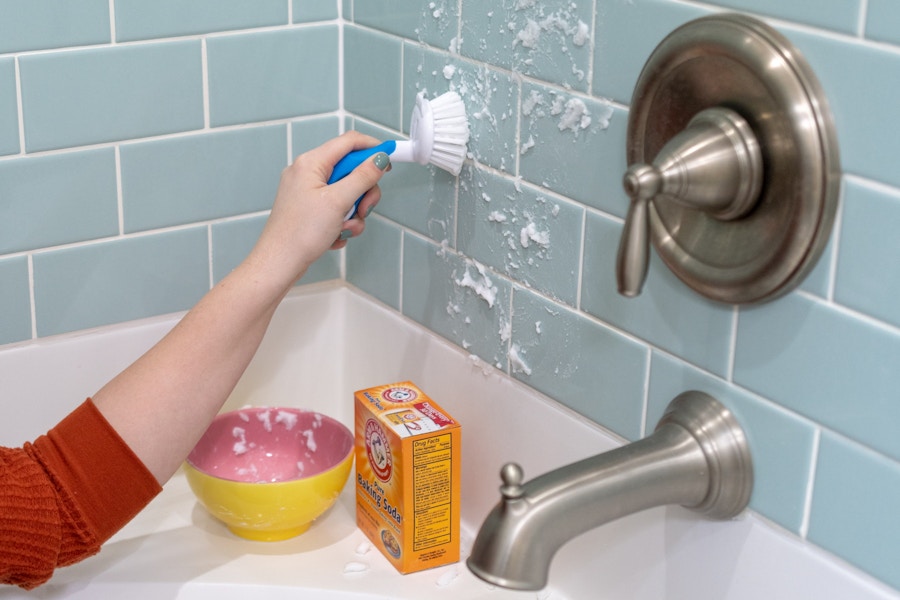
x=734, y=170
x=698, y=457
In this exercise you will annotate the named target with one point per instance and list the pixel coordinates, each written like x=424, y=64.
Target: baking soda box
x=407, y=476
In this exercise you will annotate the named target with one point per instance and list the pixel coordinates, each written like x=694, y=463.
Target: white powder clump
x=529, y=36
x=355, y=567
x=288, y=419
x=582, y=34
x=516, y=361
x=317, y=421
x=528, y=145
x=363, y=548
x=447, y=577
x=575, y=116
x=481, y=285
x=265, y=419
x=310, y=439
x=449, y=71
x=240, y=446
x=300, y=467
x=531, y=234
x=497, y=217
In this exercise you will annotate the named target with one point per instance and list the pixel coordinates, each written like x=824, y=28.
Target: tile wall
x=515, y=260
x=140, y=146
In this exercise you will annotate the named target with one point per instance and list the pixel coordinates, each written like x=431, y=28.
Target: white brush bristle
x=451, y=132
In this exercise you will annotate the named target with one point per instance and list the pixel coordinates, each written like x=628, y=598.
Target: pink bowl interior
x=267, y=445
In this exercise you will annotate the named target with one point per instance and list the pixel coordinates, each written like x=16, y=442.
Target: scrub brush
x=438, y=134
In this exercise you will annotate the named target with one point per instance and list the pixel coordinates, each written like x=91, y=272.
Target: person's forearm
x=162, y=403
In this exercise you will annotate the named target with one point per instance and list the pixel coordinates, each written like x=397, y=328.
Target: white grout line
x=863, y=18
x=811, y=484
x=120, y=202
x=19, y=107
x=112, y=21
x=204, y=75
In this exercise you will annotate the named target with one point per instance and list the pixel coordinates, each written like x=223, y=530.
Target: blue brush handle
x=353, y=160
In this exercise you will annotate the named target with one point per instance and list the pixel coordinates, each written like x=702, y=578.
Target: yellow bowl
x=267, y=473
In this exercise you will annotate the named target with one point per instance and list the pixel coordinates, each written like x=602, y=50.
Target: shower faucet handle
x=713, y=165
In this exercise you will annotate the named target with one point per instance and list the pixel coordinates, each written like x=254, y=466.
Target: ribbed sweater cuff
x=93, y=465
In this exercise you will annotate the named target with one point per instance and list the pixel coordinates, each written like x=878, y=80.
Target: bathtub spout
x=697, y=457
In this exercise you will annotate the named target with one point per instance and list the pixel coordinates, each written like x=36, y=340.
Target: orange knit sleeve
x=66, y=494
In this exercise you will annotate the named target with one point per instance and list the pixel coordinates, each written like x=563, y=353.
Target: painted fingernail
x=382, y=160
x=369, y=210
x=345, y=235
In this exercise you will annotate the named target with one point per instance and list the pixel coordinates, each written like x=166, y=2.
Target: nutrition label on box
x=432, y=476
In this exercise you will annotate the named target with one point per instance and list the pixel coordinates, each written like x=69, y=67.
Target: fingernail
x=369, y=210
x=345, y=235
x=381, y=160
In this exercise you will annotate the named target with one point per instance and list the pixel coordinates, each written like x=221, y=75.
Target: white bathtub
x=325, y=342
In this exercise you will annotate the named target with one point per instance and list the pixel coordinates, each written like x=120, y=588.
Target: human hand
x=308, y=214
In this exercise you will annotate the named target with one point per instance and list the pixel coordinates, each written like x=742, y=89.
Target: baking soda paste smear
x=408, y=459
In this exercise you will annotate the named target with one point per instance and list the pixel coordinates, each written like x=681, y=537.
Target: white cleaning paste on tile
x=449, y=71
x=516, y=362
x=497, y=217
x=530, y=234
x=363, y=548
x=481, y=284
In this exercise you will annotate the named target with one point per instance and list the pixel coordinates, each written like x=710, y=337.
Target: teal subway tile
x=138, y=20
x=310, y=133
x=532, y=238
x=373, y=261
x=883, y=21
x=372, y=75
x=232, y=241
x=819, y=280
x=199, y=177
x=626, y=32
x=272, y=75
x=839, y=15
x=781, y=443
x=108, y=94
x=305, y=11
x=550, y=41
x=347, y=9
x=457, y=298
x=868, y=279
x=575, y=146
x=433, y=23
x=57, y=199
x=587, y=366
x=43, y=24
x=825, y=363
x=848, y=70
x=490, y=97
x=667, y=314
x=9, y=117
x=111, y=282
x=422, y=198
x=854, y=507
x=15, y=301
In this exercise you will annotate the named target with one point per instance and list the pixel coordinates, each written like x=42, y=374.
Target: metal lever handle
x=714, y=165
